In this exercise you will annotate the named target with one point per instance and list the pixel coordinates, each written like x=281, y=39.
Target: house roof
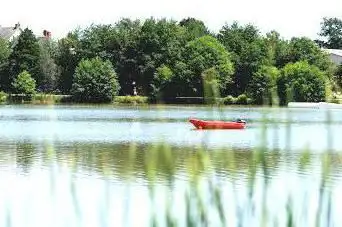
x=337, y=52
x=8, y=32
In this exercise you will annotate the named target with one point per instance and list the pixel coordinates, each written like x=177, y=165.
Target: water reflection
x=167, y=166
x=164, y=162
x=25, y=153
x=88, y=167
x=285, y=129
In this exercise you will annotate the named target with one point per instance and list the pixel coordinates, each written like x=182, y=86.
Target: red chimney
x=47, y=34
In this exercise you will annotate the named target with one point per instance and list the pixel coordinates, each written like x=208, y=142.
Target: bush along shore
x=167, y=61
x=42, y=98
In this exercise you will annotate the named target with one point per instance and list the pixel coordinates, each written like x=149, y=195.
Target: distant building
x=335, y=55
x=10, y=33
x=46, y=35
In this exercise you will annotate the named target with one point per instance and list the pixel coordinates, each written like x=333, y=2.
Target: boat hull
x=201, y=124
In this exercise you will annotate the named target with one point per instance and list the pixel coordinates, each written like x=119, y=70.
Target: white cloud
x=290, y=18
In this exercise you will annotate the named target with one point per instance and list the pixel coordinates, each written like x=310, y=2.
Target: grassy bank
x=131, y=100
x=41, y=98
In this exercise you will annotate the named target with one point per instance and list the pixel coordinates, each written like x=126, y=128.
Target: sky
x=288, y=17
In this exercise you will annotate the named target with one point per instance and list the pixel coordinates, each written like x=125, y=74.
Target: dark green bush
x=95, y=81
x=260, y=88
x=301, y=82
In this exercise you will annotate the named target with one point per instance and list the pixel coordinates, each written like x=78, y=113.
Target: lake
x=107, y=165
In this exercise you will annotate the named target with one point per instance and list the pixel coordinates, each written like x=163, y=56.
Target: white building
x=10, y=33
x=335, y=55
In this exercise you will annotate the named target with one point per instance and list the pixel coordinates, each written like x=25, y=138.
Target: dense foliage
x=5, y=51
x=249, y=52
x=163, y=59
x=25, y=57
x=331, y=32
x=202, y=54
x=338, y=76
x=94, y=81
x=262, y=87
x=48, y=68
x=211, y=84
x=24, y=84
x=301, y=82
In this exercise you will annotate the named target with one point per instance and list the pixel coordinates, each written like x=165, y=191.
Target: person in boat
x=240, y=121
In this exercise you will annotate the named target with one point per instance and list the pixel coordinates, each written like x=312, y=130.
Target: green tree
x=331, y=32
x=95, y=81
x=194, y=28
x=117, y=43
x=67, y=57
x=48, y=67
x=5, y=52
x=304, y=49
x=338, y=76
x=124, y=46
x=160, y=42
x=24, y=84
x=277, y=48
x=181, y=83
x=202, y=54
x=25, y=56
x=211, y=85
x=262, y=88
x=161, y=80
x=249, y=52
x=301, y=82
x=94, y=40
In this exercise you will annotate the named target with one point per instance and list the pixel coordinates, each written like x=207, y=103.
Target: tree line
x=163, y=59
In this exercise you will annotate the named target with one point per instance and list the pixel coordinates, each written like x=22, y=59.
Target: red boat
x=201, y=124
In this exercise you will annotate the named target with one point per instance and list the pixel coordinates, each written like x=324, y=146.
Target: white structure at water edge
x=317, y=105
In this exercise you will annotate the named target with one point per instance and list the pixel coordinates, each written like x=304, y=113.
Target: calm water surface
x=94, y=165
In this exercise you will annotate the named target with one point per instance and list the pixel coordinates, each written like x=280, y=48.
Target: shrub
x=243, y=100
x=49, y=98
x=3, y=97
x=24, y=84
x=131, y=99
x=95, y=81
x=229, y=100
x=336, y=98
x=161, y=81
x=301, y=82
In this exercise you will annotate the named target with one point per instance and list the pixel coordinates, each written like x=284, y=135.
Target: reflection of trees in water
x=163, y=162
x=25, y=155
